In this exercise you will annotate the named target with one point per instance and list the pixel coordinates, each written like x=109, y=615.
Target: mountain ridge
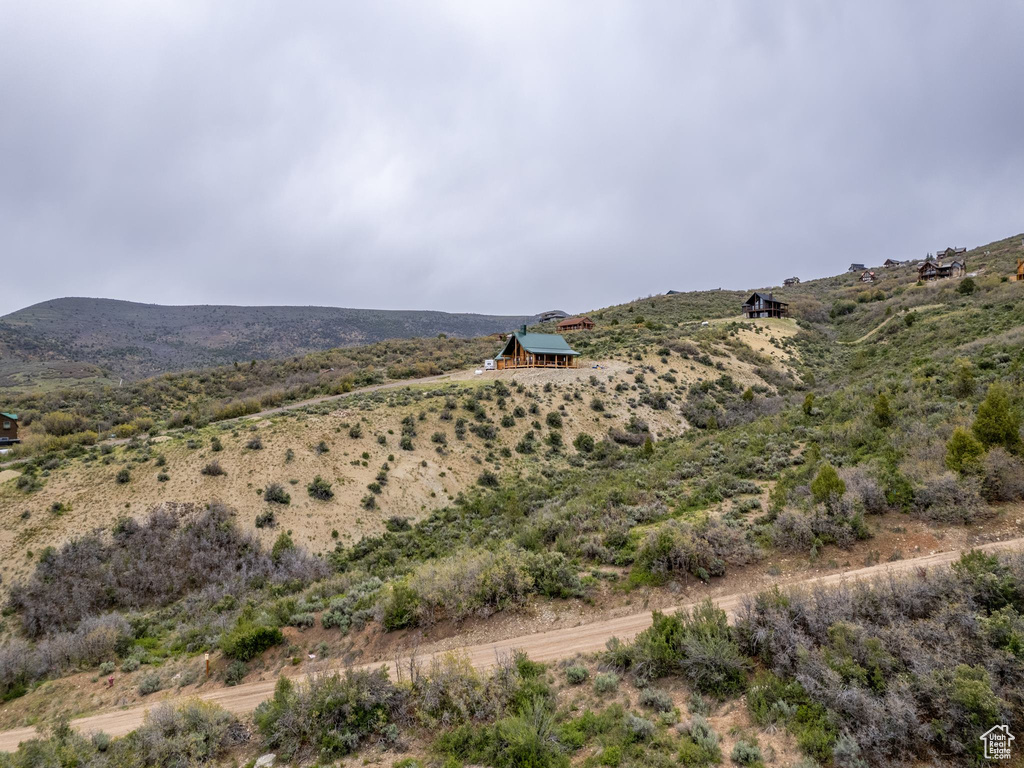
x=80, y=337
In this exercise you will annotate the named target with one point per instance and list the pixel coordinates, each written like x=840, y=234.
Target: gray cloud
x=497, y=158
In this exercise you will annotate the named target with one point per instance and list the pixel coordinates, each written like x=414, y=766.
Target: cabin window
x=7, y=425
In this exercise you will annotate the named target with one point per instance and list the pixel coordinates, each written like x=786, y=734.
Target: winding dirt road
x=542, y=646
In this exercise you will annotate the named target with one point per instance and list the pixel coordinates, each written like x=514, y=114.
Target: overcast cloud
x=506, y=158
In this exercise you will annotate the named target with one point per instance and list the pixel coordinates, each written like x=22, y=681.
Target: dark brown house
x=9, y=428
x=934, y=270
x=576, y=324
x=760, y=305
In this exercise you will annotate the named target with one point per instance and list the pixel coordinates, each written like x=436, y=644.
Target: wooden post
x=207, y=664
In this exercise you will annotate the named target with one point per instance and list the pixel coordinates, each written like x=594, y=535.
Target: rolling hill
x=83, y=338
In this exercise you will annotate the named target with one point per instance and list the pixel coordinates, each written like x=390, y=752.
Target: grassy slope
x=747, y=465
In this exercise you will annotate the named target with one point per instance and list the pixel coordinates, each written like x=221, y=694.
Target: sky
x=495, y=157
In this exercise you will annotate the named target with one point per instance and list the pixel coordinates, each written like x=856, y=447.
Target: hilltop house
x=576, y=324
x=954, y=254
x=791, y=281
x=9, y=428
x=893, y=263
x=759, y=305
x=1020, y=269
x=934, y=270
x=535, y=350
x=856, y=268
x=867, y=276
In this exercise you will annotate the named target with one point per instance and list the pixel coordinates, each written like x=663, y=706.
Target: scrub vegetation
x=688, y=452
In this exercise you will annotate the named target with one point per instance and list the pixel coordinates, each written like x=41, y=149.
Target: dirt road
x=542, y=646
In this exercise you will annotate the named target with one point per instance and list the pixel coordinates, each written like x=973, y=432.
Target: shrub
x=745, y=753
x=656, y=699
x=247, y=641
x=554, y=419
x=355, y=431
x=123, y=476
x=966, y=286
x=235, y=672
x=60, y=423
x=577, y=675
x=606, y=682
x=699, y=644
x=488, y=479
x=216, y=445
x=265, y=519
x=320, y=489
x=276, y=494
x=330, y=716
x=213, y=469
x=255, y=444
x=192, y=734
x=945, y=498
x=639, y=728
x=400, y=608
x=583, y=443
x=397, y=524
x=1002, y=476
x=147, y=564
x=150, y=683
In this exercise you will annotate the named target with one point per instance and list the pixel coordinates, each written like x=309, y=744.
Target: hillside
x=81, y=338
x=417, y=507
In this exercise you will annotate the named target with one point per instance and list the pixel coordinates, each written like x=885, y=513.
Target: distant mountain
x=104, y=338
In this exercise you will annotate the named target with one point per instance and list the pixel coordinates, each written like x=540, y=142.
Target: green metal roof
x=540, y=344
x=12, y=416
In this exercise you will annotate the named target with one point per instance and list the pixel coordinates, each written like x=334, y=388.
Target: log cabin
x=9, y=428
x=576, y=324
x=536, y=350
x=1020, y=269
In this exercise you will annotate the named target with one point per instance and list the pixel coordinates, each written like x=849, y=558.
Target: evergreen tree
x=997, y=422
x=963, y=451
x=828, y=487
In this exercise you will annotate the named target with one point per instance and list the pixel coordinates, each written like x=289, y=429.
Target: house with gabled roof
x=856, y=268
x=791, y=281
x=535, y=350
x=951, y=253
x=9, y=428
x=762, y=305
x=932, y=269
x=576, y=324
